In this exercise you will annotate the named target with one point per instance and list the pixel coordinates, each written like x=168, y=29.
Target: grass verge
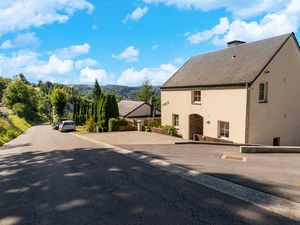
x=11, y=127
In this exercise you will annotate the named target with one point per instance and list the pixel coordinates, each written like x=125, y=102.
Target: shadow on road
x=98, y=186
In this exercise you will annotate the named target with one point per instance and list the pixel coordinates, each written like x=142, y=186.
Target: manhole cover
x=234, y=158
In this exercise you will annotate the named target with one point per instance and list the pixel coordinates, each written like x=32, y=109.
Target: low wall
x=269, y=149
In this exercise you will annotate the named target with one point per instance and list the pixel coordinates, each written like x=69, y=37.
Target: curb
x=269, y=149
x=281, y=206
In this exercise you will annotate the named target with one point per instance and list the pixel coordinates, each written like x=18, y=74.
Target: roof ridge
x=220, y=67
x=244, y=44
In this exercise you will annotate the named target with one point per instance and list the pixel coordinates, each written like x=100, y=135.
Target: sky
x=123, y=42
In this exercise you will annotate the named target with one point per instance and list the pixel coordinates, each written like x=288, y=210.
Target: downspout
x=247, y=113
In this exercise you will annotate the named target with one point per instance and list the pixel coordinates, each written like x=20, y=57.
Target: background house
x=246, y=93
x=137, y=110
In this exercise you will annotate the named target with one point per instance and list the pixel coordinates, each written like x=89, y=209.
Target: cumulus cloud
x=198, y=37
x=88, y=75
x=136, y=15
x=80, y=64
x=130, y=54
x=25, y=40
x=157, y=76
x=283, y=21
x=42, y=66
x=16, y=15
x=53, y=66
x=73, y=51
x=242, y=9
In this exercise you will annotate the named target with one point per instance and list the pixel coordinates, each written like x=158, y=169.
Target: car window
x=68, y=123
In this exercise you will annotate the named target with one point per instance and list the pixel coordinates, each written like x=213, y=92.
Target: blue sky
x=123, y=42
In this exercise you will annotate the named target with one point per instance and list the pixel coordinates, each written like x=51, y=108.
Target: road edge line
x=281, y=206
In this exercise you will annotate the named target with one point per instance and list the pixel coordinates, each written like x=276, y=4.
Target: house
x=137, y=110
x=245, y=93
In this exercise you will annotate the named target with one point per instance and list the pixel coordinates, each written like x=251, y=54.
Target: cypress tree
x=96, y=91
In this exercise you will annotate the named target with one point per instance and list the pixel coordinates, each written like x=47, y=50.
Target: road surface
x=47, y=177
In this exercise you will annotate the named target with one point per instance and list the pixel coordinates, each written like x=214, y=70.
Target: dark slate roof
x=127, y=106
x=235, y=65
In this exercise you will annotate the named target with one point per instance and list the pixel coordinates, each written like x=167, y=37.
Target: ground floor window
x=223, y=129
x=176, y=121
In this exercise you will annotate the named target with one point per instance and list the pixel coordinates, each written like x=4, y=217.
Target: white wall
x=217, y=104
x=280, y=117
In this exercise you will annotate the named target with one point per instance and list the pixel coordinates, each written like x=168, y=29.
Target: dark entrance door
x=195, y=125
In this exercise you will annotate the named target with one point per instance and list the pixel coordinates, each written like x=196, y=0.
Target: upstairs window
x=197, y=97
x=223, y=129
x=263, y=92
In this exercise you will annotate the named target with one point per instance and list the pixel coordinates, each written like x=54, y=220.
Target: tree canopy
x=146, y=92
x=59, y=101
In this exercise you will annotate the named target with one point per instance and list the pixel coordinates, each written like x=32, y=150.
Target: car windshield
x=68, y=123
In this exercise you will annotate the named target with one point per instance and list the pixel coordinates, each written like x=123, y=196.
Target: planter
x=162, y=131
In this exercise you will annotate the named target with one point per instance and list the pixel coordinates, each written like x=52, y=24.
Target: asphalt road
x=51, y=178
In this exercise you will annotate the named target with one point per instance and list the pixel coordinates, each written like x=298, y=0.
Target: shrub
x=169, y=128
x=90, y=125
x=20, y=110
x=114, y=124
x=12, y=134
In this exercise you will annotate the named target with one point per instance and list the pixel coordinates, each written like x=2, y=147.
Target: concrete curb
x=269, y=149
x=281, y=206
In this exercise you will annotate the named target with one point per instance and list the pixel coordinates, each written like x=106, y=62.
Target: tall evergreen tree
x=146, y=92
x=96, y=91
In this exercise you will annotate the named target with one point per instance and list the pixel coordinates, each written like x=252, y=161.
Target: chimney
x=234, y=43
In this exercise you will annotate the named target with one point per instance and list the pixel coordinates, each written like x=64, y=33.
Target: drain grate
x=234, y=158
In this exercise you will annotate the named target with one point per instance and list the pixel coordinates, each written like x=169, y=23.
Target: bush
x=169, y=128
x=11, y=134
x=90, y=125
x=20, y=110
x=114, y=124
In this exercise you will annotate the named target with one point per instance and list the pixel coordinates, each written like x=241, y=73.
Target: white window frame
x=264, y=92
x=175, y=121
x=197, y=95
x=224, y=129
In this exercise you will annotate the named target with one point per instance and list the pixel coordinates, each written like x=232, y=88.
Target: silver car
x=67, y=125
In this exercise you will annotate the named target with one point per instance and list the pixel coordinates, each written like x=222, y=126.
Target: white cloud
x=136, y=15
x=221, y=28
x=53, y=66
x=157, y=76
x=25, y=40
x=34, y=67
x=6, y=44
x=272, y=24
x=154, y=47
x=242, y=9
x=130, y=54
x=80, y=64
x=16, y=15
x=94, y=27
x=73, y=51
x=88, y=75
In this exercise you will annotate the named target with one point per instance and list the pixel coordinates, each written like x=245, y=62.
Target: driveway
x=47, y=177
x=277, y=174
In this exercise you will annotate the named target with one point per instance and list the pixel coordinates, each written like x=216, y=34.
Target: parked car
x=67, y=125
x=55, y=126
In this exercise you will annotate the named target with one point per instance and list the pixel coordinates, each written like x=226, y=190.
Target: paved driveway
x=278, y=174
x=47, y=177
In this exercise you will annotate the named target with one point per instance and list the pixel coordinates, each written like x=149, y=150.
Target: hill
x=122, y=92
